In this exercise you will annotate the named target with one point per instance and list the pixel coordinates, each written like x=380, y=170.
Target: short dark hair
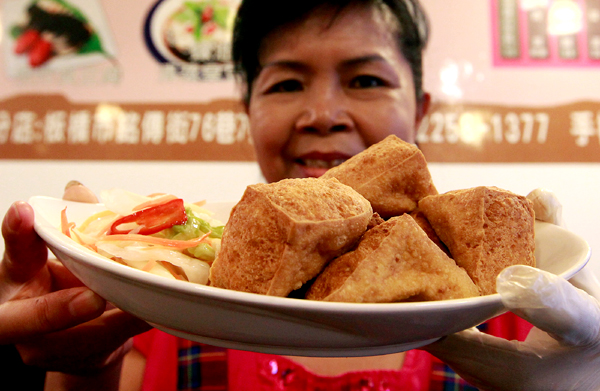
x=257, y=18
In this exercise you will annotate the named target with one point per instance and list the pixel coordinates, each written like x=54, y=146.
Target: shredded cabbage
x=191, y=264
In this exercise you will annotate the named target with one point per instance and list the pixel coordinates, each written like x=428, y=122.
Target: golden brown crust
x=422, y=221
x=282, y=234
x=391, y=174
x=394, y=261
x=375, y=221
x=485, y=228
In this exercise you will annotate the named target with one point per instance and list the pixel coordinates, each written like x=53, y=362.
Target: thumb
x=550, y=303
x=25, y=252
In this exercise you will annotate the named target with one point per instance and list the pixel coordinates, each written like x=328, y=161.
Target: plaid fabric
x=201, y=367
x=443, y=378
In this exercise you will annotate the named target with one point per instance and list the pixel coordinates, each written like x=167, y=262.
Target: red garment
x=265, y=372
x=262, y=372
x=160, y=350
x=508, y=326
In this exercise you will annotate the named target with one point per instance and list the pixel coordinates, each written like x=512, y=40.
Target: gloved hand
x=562, y=351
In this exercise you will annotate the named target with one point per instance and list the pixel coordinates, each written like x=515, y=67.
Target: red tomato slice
x=152, y=220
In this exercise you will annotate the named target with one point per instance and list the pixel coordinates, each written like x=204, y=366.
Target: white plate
x=277, y=325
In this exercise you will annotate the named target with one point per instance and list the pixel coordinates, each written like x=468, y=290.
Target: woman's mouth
x=318, y=163
x=315, y=164
x=322, y=159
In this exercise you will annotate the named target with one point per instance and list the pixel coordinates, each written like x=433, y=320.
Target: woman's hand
x=55, y=322
x=561, y=353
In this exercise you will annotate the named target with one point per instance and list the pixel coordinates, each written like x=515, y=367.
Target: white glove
x=561, y=353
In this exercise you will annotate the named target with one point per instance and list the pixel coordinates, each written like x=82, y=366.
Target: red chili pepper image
x=27, y=41
x=40, y=53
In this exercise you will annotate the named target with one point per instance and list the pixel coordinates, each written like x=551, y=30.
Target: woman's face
x=327, y=91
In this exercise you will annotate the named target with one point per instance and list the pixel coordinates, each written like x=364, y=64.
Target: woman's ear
x=422, y=108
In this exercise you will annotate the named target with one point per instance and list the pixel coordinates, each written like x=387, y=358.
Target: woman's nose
x=324, y=112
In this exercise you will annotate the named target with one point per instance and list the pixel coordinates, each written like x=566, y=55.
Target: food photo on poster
x=192, y=38
x=142, y=96
x=99, y=111
x=55, y=34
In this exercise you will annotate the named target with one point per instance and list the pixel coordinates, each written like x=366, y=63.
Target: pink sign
x=542, y=33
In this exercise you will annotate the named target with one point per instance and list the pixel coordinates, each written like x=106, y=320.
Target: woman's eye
x=367, y=82
x=286, y=86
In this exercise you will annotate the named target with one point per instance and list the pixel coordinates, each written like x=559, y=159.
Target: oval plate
x=276, y=325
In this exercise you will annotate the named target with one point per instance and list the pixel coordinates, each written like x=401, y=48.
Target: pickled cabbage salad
x=160, y=234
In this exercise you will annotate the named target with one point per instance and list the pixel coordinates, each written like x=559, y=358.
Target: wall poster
x=518, y=86
x=153, y=80
x=546, y=33
x=94, y=79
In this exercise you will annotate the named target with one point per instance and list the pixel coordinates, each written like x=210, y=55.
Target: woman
x=324, y=80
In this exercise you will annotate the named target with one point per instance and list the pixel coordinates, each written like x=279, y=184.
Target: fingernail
x=13, y=219
x=85, y=303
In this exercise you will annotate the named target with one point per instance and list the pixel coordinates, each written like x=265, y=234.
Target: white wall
x=193, y=181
